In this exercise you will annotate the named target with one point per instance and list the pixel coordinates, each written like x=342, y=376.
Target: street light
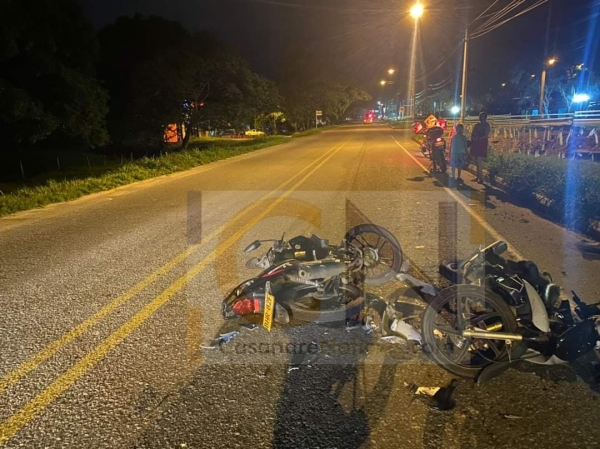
x=382, y=82
x=391, y=71
x=417, y=10
x=455, y=110
x=581, y=98
x=549, y=63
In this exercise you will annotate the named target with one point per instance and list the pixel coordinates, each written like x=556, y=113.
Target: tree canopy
x=48, y=89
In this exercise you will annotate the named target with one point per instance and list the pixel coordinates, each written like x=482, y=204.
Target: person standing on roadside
x=458, y=152
x=479, y=144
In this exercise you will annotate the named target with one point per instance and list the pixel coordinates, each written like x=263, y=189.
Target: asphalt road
x=108, y=304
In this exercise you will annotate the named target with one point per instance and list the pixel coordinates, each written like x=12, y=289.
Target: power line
x=481, y=32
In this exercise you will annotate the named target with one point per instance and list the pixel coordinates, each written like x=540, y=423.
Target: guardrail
x=584, y=118
x=589, y=118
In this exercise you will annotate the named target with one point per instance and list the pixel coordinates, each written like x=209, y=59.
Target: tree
x=134, y=53
x=48, y=89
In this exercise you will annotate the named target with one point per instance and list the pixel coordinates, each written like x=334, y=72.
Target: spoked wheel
x=462, y=307
x=382, y=254
x=306, y=305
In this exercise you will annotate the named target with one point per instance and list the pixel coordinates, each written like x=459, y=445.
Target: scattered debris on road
x=511, y=416
x=438, y=398
x=394, y=339
x=224, y=338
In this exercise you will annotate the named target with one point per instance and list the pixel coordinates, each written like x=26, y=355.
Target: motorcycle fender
x=538, y=309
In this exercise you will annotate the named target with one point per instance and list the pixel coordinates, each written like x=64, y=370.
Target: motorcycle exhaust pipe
x=321, y=271
x=491, y=335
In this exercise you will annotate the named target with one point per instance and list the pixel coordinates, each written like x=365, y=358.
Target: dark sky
x=365, y=37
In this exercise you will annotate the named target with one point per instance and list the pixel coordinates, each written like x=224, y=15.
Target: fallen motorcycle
x=311, y=280
x=500, y=312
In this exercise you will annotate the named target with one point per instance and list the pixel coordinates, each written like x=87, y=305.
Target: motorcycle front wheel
x=477, y=308
x=382, y=254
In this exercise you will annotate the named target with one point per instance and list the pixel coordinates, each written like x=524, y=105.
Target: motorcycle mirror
x=500, y=248
x=252, y=246
x=252, y=263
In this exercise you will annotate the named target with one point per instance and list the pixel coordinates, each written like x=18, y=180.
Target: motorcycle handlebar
x=497, y=248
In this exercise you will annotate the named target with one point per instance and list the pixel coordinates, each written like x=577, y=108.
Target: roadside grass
x=61, y=186
x=311, y=132
x=572, y=186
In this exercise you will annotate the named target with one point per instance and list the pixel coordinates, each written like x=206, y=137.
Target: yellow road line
x=51, y=349
x=17, y=421
x=478, y=218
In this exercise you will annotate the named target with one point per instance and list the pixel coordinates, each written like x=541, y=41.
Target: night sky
x=365, y=37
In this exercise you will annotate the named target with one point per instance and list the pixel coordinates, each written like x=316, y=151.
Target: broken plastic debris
x=420, y=246
x=406, y=330
x=225, y=338
x=512, y=416
x=293, y=368
x=394, y=339
x=249, y=326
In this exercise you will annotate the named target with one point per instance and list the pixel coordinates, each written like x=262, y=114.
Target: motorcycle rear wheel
x=447, y=348
x=389, y=252
x=306, y=308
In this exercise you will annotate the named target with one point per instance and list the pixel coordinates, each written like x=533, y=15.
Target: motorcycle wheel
x=307, y=308
x=440, y=161
x=466, y=357
x=382, y=250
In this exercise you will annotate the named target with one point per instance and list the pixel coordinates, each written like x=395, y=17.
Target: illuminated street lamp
x=549, y=63
x=417, y=10
x=382, y=82
x=455, y=110
x=581, y=98
x=391, y=71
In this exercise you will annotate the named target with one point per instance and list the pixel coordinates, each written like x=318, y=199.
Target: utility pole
x=463, y=97
x=542, y=91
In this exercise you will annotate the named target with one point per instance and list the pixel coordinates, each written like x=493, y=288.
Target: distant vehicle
x=368, y=121
x=255, y=133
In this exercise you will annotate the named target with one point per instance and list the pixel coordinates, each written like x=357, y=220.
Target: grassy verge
x=313, y=131
x=60, y=186
x=572, y=186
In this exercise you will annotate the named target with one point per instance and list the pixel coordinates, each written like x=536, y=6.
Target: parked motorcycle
x=434, y=148
x=312, y=280
x=500, y=312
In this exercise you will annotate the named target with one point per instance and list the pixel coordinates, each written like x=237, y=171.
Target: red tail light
x=246, y=306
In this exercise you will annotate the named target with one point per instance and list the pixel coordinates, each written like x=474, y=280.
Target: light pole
x=463, y=90
x=416, y=12
x=547, y=64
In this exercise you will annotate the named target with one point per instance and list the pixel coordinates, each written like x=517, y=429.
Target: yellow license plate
x=269, y=308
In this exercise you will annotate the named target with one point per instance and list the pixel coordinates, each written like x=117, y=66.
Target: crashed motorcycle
x=311, y=280
x=500, y=312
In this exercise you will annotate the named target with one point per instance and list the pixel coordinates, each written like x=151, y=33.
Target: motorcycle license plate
x=269, y=308
x=439, y=144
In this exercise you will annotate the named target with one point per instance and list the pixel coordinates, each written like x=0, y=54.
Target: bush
x=573, y=186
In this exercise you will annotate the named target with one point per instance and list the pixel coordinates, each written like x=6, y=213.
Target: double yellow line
x=267, y=203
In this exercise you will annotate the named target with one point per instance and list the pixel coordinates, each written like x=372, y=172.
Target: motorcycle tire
x=441, y=301
x=324, y=315
x=440, y=161
x=397, y=255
